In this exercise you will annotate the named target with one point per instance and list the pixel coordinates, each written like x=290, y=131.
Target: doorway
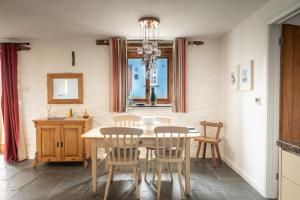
x=273, y=113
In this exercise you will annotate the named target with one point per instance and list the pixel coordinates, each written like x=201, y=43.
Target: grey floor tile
x=71, y=181
x=242, y=195
x=22, y=179
x=208, y=195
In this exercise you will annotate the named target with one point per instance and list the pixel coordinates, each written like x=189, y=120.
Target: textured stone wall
x=54, y=56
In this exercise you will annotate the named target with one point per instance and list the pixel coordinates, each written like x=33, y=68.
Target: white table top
x=148, y=133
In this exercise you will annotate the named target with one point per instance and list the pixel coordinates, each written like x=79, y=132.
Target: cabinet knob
x=57, y=144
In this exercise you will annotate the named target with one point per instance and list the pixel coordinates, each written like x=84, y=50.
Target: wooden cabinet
x=290, y=84
x=60, y=140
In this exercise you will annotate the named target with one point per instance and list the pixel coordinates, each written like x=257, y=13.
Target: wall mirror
x=66, y=88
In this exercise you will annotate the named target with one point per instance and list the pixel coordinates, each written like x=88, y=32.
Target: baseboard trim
x=245, y=176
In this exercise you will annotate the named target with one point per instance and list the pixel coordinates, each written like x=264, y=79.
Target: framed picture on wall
x=246, y=76
x=234, y=78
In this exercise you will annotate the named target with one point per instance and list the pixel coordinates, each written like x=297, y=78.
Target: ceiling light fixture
x=149, y=27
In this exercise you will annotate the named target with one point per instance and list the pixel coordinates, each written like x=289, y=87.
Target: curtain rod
x=191, y=42
x=21, y=43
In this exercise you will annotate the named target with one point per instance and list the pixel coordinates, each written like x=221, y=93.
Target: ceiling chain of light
x=150, y=51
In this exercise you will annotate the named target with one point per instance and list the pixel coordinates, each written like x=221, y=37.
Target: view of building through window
x=137, y=81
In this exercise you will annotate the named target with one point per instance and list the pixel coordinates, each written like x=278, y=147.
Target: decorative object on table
x=246, y=76
x=85, y=114
x=70, y=113
x=234, y=78
x=149, y=49
x=153, y=96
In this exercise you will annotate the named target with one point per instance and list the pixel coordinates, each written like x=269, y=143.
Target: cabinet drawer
x=290, y=167
x=290, y=191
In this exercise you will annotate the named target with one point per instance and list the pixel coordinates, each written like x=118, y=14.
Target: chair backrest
x=163, y=121
x=122, y=144
x=170, y=141
x=127, y=120
x=206, y=124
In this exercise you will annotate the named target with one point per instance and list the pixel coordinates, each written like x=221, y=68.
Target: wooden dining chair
x=213, y=141
x=170, y=145
x=122, y=144
x=161, y=121
x=127, y=120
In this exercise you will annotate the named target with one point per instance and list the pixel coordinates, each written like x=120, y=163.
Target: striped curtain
x=118, y=75
x=179, y=97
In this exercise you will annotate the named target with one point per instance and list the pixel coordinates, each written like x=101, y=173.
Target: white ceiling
x=31, y=19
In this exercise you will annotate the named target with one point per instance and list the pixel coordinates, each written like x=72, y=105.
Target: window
x=153, y=78
x=139, y=88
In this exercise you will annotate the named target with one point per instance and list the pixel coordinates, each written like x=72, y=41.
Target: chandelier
x=149, y=49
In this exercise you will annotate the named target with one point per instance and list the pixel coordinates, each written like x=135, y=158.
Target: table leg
x=187, y=167
x=94, y=164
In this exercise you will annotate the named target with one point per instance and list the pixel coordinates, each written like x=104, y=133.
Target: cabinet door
x=48, y=143
x=290, y=190
x=290, y=84
x=71, y=143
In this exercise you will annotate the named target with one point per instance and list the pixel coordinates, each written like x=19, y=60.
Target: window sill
x=150, y=106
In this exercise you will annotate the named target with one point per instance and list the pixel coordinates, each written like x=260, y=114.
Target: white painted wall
x=246, y=138
x=54, y=56
x=294, y=20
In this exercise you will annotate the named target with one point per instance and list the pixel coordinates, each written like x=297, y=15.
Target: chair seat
x=208, y=140
x=151, y=148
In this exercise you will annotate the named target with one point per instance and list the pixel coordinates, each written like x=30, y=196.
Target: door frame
x=273, y=97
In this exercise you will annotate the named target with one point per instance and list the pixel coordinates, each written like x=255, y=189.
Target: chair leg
x=154, y=170
x=170, y=171
x=204, y=151
x=108, y=181
x=105, y=161
x=213, y=155
x=146, y=164
x=139, y=174
x=179, y=166
x=218, y=152
x=112, y=174
x=159, y=181
x=198, y=150
x=135, y=173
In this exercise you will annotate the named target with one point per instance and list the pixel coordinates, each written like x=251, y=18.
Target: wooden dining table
x=147, y=139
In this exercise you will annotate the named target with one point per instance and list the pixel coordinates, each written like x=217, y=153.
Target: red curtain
x=118, y=75
x=179, y=97
x=9, y=101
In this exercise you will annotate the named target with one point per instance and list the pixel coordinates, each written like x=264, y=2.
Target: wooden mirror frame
x=50, y=78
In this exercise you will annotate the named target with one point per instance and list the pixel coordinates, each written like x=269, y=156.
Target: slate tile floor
x=72, y=181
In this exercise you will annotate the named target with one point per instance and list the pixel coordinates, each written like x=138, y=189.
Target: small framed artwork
x=246, y=76
x=234, y=78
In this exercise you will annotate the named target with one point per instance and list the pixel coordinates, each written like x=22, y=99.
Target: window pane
x=136, y=79
x=160, y=78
